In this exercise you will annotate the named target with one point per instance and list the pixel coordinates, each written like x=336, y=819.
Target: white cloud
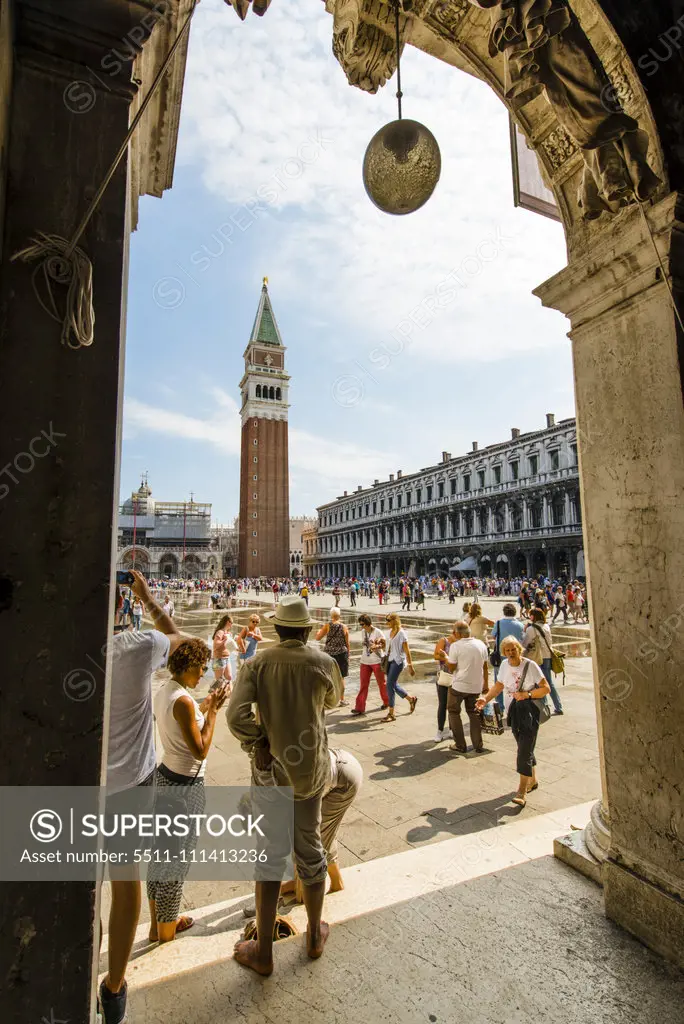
x=331, y=464
x=268, y=111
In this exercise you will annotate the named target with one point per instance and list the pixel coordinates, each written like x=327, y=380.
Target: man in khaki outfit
x=292, y=686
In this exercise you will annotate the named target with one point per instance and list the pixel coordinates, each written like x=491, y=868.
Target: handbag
x=444, y=678
x=494, y=723
x=495, y=657
x=557, y=658
x=539, y=702
x=384, y=663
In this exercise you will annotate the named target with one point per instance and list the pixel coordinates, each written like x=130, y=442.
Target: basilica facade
x=511, y=509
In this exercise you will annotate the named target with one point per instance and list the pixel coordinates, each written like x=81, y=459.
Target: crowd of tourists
x=274, y=693
x=566, y=598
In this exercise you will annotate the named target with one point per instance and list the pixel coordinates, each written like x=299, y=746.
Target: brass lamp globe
x=402, y=163
x=401, y=167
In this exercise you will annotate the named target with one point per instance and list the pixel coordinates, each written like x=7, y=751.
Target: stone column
x=630, y=417
x=59, y=446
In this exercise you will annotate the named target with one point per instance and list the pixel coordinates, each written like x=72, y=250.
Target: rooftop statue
x=546, y=50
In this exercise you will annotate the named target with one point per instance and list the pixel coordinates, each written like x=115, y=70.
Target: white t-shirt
x=510, y=677
x=130, y=756
x=369, y=657
x=394, y=645
x=468, y=655
x=167, y=607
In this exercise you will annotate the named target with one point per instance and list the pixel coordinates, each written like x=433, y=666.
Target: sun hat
x=292, y=611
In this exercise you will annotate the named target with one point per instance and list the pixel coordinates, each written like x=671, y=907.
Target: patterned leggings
x=166, y=892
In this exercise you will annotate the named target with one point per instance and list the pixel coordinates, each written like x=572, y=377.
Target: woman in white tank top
x=186, y=729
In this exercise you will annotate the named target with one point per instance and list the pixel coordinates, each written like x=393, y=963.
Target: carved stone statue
x=546, y=50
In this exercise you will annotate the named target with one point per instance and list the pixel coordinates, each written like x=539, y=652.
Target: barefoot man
x=292, y=685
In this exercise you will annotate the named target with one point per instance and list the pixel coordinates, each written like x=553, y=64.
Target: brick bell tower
x=264, y=540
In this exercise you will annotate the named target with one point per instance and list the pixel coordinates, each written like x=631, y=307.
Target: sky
x=406, y=336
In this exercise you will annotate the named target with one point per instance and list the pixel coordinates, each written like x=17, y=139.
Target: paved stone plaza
x=415, y=791
x=453, y=906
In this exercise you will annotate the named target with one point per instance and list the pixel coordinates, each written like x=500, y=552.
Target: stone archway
x=630, y=424
x=135, y=558
x=168, y=565
x=616, y=297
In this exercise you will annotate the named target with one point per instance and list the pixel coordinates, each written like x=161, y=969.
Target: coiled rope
x=63, y=263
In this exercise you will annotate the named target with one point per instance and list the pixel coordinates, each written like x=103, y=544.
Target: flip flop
x=520, y=801
x=183, y=924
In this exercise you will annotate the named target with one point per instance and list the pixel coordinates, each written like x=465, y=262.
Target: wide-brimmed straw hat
x=292, y=611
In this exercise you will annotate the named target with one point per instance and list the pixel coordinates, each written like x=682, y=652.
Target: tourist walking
x=561, y=605
x=249, y=638
x=398, y=658
x=291, y=685
x=186, y=729
x=537, y=644
x=137, y=609
x=406, y=596
x=468, y=660
x=223, y=646
x=444, y=681
x=372, y=646
x=522, y=682
x=479, y=623
x=337, y=646
x=508, y=625
x=352, y=595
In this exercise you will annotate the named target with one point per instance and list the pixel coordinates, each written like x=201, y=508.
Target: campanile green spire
x=265, y=329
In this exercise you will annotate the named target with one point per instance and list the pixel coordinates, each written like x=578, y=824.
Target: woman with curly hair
x=186, y=729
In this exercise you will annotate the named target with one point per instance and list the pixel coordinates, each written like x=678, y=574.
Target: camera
x=124, y=578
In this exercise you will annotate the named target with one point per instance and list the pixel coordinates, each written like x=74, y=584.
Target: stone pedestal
x=630, y=424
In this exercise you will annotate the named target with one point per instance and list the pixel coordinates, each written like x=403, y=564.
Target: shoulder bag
x=540, y=702
x=557, y=658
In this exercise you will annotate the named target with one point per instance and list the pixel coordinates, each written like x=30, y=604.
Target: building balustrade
x=464, y=501
x=490, y=537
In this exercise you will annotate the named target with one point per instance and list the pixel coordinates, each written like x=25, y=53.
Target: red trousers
x=365, y=674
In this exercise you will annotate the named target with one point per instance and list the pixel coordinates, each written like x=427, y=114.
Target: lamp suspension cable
x=398, y=46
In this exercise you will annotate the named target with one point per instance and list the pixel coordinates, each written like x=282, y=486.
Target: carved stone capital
x=364, y=40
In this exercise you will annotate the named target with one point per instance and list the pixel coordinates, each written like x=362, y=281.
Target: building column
x=633, y=425
x=60, y=446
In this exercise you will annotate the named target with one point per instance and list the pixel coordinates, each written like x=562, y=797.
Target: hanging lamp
x=402, y=163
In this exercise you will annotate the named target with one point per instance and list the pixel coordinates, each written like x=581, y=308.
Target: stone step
x=370, y=887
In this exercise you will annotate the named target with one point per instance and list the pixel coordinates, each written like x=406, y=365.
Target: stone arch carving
x=168, y=564
x=135, y=557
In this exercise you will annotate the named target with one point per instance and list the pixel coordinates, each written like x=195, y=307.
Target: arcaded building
x=511, y=509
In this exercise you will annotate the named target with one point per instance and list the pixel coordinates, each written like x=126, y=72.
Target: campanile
x=264, y=542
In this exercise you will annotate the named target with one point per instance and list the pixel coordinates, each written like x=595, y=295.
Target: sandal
x=532, y=788
x=389, y=717
x=520, y=801
x=183, y=924
x=412, y=701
